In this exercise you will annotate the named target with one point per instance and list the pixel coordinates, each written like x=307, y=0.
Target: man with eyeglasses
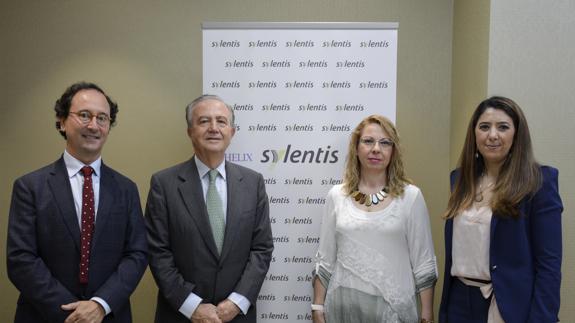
x=76, y=237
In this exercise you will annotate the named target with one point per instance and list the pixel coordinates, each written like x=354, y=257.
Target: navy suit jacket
x=183, y=254
x=524, y=256
x=43, y=249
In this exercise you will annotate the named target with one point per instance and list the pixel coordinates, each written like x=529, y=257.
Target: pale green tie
x=215, y=211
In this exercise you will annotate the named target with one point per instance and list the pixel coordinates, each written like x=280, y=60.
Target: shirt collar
x=73, y=165
x=203, y=169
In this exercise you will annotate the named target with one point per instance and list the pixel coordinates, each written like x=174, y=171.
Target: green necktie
x=215, y=211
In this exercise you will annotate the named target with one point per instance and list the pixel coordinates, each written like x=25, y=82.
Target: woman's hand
x=317, y=317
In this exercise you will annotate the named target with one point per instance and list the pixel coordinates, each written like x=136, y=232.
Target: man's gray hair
x=203, y=98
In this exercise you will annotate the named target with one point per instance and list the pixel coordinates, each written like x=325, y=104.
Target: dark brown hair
x=63, y=104
x=518, y=177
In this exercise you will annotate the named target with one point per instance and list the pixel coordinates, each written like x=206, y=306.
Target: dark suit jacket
x=524, y=256
x=43, y=249
x=183, y=254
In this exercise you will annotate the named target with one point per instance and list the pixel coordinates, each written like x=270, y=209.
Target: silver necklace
x=479, y=196
x=369, y=199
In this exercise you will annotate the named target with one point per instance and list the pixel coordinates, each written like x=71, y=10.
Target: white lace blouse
x=380, y=258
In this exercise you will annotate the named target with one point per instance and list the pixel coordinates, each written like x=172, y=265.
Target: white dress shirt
x=73, y=166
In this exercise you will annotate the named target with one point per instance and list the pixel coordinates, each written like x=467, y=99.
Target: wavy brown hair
x=396, y=179
x=518, y=177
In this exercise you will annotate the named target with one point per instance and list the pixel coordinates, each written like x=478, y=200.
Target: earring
x=476, y=155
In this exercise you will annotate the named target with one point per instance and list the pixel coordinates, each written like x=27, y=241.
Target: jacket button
x=493, y=267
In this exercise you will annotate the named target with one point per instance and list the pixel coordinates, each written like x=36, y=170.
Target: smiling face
x=494, y=133
x=211, y=130
x=85, y=141
x=373, y=155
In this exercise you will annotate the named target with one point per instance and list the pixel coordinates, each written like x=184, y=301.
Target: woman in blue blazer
x=503, y=229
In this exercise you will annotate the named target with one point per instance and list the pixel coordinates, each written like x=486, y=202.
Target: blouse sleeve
x=326, y=253
x=420, y=243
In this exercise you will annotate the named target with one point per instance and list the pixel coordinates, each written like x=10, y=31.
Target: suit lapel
x=60, y=185
x=233, y=181
x=192, y=195
x=108, y=190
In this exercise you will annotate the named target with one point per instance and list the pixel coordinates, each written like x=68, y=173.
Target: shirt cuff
x=240, y=301
x=103, y=303
x=190, y=304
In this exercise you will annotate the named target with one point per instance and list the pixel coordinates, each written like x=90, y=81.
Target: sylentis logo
x=298, y=156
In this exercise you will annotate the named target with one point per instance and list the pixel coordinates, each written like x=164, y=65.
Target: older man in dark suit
x=76, y=235
x=208, y=224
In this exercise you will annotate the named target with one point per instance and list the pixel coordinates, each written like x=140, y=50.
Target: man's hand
x=227, y=310
x=205, y=313
x=84, y=312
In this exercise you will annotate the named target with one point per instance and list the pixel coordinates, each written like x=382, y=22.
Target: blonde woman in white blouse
x=376, y=253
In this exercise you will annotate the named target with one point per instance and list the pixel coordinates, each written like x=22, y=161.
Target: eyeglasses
x=370, y=142
x=86, y=117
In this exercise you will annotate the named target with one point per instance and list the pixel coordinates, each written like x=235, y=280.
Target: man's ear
x=60, y=124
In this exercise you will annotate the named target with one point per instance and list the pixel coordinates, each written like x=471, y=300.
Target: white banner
x=298, y=90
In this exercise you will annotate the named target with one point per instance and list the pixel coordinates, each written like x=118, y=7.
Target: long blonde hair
x=518, y=177
x=396, y=179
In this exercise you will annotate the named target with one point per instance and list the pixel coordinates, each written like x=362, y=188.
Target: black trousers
x=466, y=304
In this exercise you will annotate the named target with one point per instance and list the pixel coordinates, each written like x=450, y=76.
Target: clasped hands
x=209, y=313
x=84, y=312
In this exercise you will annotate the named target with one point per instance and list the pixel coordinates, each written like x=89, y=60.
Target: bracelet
x=426, y=321
x=318, y=307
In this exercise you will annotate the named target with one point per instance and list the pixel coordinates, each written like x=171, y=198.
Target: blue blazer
x=524, y=257
x=43, y=249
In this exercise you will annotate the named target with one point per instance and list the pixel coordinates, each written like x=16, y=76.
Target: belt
x=482, y=281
